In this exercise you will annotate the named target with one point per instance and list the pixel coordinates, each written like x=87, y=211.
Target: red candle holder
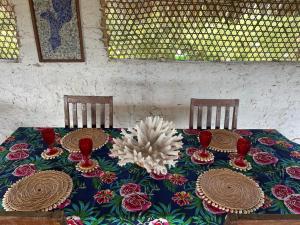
x=48, y=135
x=239, y=162
x=86, y=164
x=203, y=156
x=86, y=147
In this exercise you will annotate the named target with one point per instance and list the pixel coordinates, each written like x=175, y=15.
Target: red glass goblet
x=243, y=147
x=205, y=139
x=86, y=146
x=48, y=135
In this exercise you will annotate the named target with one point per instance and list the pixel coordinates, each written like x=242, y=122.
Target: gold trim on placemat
x=70, y=141
x=246, y=168
x=45, y=156
x=197, y=155
x=42, y=191
x=229, y=191
x=223, y=141
x=82, y=169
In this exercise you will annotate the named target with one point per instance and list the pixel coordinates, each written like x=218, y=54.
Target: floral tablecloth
x=129, y=195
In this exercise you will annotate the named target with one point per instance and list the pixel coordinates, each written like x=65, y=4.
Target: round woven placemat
x=71, y=141
x=41, y=191
x=223, y=141
x=229, y=191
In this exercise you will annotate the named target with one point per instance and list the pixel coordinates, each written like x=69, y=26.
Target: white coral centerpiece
x=152, y=144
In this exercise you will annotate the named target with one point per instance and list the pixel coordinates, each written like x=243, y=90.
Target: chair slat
x=67, y=113
x=93, y=111
x=111, y=114
x=226, y=124
x=234, y=118
x=75, y=119
x=84, y=115
x=199, y=118
x=208, y=123
x=218, y=117
x=191, y=125
x=102, y=116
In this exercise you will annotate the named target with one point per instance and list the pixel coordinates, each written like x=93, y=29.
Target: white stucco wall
x=31, y=93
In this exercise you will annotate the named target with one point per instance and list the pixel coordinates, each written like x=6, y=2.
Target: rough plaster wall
x=31, y=93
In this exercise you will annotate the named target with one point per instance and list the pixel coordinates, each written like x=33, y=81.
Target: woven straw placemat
x=41, y=191
x=229, y=191
x=223, y=141
x=71, y=140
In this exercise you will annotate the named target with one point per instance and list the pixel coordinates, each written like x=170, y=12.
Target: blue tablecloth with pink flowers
x=129, y=195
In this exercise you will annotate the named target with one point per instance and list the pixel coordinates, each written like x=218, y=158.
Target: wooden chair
x=260, y=219
x=199, y=105
x=32, y=218
x=85, y=101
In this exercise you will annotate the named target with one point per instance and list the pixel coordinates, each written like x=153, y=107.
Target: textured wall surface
x=31, y=93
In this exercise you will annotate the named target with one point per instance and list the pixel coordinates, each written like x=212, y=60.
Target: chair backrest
x=72, y=102
x=33, y=218
x=255, y=219
x=297, y=140
x=199, y=106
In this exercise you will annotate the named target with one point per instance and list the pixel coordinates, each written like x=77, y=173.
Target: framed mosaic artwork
x=57, y=29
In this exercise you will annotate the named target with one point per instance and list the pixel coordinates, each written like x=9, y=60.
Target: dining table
x=98, y=196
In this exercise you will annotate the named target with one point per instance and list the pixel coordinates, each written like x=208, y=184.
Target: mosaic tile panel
x=205, y=30
x=9, y=47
